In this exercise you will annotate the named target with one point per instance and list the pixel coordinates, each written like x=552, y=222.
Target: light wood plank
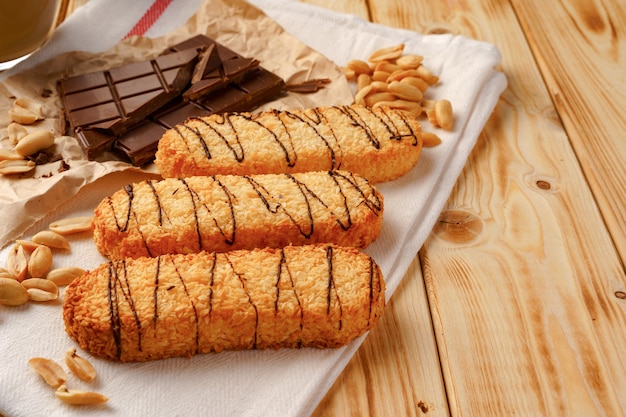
x=580, y=47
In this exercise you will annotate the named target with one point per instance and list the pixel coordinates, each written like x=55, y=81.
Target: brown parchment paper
x=26, y=199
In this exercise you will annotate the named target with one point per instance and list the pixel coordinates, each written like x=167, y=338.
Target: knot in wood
x=458, y=226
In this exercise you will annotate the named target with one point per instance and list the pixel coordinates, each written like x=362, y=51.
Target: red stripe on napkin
x=150, y=16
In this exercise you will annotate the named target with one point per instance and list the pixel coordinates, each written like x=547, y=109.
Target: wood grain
x=580, y=47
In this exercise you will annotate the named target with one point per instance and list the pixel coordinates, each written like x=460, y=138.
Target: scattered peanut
x=359, y=67
x=40, y=289
x=65, y=275
x=7, y=154
x=80, y=366
x=430, y=139
x=49, y=370
x=79, y=397
x=405, y=91
x=34, y=142
x=71, y=225
x=12, y=293
x=40, y=261
x=31, y=106
x=397, y=80
x=443, y=113
x=17, y=262
x=16, y=132
x=389, y=53
x=409, y=61
x=4, y=273
x=374, y=98
x=22, y=116
x=51, y=239
x=28, y=245
x=10, y=167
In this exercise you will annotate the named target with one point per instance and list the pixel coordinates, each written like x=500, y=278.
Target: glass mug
x=25, y=25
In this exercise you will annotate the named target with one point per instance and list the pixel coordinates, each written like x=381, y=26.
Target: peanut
x=30, y=105
x=17, y=262
x=409, y=61
x=401, y=74
x=443, y=114
x=49, y=370
x=359, y=98
x=40, y=289
x=426, y=75
x=12, y=293
x=71, y=225
x=80, y=366
x=348, y=73
x=416, y=82
x=34, y=142
x=65, y=275
x=27, y=244
x=430, y=139
x=40, y=261
x=41, y=296
x=16, y=132
x=374, y=98
x=21, y=166
x=406, y=91
x=22, y=116
x=6, y=154
x=386, y=66
x=387, y=54
x=79, y=397
x=4, y=273
x=380, y=76
x=398, y=104
x=362, y=80
x=359, y=66
x=51, y=239
x=379, y=86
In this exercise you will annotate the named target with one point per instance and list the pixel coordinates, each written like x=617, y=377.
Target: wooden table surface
x=516, y=304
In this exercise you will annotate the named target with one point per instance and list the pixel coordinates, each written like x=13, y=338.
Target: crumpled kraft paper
x=236, y=24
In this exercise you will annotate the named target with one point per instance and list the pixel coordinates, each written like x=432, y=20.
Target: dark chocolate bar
x=221, y=80
x=114, y=100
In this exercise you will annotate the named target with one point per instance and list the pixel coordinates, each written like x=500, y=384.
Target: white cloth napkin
x=251, y=383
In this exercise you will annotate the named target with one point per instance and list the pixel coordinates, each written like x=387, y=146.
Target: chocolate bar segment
x=218, y=66
x=139, y=145
x=112, y=101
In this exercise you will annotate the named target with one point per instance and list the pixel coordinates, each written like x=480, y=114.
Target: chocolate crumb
x=64, y=166
x=46, y=92
x=309, y=86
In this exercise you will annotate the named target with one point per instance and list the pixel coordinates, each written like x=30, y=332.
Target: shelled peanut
x=24, y=142
x=29, y=275
x=392, y=78
x=55, y=376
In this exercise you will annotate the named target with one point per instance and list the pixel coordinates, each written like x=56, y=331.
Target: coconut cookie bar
x=180, y=305
x=379, y=144
x=228, y=212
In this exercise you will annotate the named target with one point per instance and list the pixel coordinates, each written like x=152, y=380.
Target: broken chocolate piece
x=113, y=101
x=308, y=86
x=218, y=66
